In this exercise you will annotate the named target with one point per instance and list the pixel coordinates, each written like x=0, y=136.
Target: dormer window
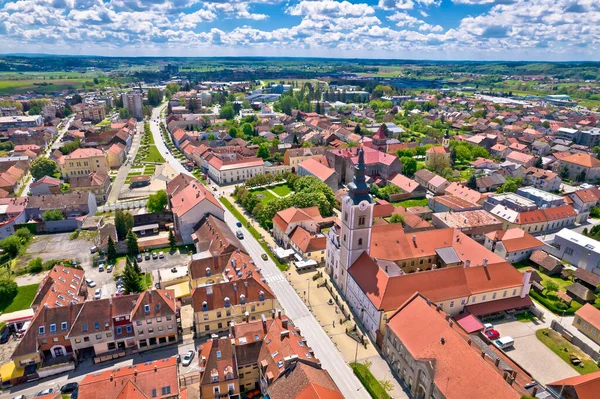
x=242, y=299
x=84, y=327
x=204, y=306
x=158, y=306
x=52, y=327
x=146, y=308
x=97, y=325
x=261, y=295
x=208, y=272
x=63, y=326
x=218, y=354
x=42, y=330
x=227, y=302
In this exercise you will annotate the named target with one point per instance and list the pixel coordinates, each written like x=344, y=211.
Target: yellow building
x=587, y=320
x=82, y=162
x=216, y=306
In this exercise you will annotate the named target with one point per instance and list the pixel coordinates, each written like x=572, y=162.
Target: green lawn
x=525, y=317
x=557, y=344
x=411, y=202
x=153, y=155
x=520, y=265
x=282, y=190
x=264, y=195
x=22, y=300
x=147, y=280
x=369, y=381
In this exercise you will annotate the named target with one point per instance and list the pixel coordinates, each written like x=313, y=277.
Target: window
x=139, y=322
x=170, y=326
x=148, y=321
x=140, y=331
x=218, y=354
x=451, y=304
x=504, y=294
x=154, y=395
x=166, y=390
x=569, y=251
x=42, y=330
x=129, y=329
x=205, y=317
x=147, y=308
x=98, y=336
x=158, y=306
x=344, y=237
x=206, y=327
x=97, y=325
x=361, y=220
x=169, y=318
x=220, y=325
x=119, y=330
x=52, y=327
x=218, y=314
x=494, y=296
x=215, y=378
x=160, y=328
x=86, y=339
x=345, y=216
x=483, y=298
x=360, y=241
x=63, y=326
x=159, y=319
x=578, y=320
x=150, y=330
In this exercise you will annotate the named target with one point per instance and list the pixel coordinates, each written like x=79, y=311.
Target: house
x=584, y=201
x=474, y=224
x=116, y=155
x=97, y=183
x=520, y=158
x=541, y=198
x=294, y=156
x=310, y=247
x=12, y=213
x=218, y=369
x=581, y=167
x=514, y=245
x=419, y=335
x=189, y=205
x=579, y=387
x=155, y=316
x=62, y=286
x=72, y=205
x=581, y=251
x=490, y=182
x=45, y=186
x=580, y=293
x=587, y=320
x=228, y=172
x=217, y=305
x=499, y=150
x=545, y=262
x=287, y=220
x=151, y=379
x=540, y=148
x=542, y=179
x=377, y=164
x=83, y=161
x=313, y=167
x=408, y=188
x=432, y=182
x=461, y=191
x=451, y=203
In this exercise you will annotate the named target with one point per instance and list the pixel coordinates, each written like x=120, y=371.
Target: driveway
x=531, y=354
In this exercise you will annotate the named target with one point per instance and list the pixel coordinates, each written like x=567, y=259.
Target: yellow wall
x=237, y=314
x=587, y=329
x=83, y=166
x=250, y=375
x=35, y=356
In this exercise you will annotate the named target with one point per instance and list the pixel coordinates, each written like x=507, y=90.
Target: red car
x=492, y=334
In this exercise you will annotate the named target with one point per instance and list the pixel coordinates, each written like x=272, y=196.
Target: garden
x=548, y=297
x=571, y=354
x=148, y=153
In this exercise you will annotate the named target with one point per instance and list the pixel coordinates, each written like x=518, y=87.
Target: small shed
x=587, y=279
x=546, y=263
x=580, y=293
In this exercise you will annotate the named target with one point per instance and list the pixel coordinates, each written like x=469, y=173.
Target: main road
x=294, y=307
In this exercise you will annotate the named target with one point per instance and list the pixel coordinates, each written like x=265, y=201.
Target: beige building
x=294, y=156
x=94, y=112
x=216, y=306
x=82, y=162
x=577, y=164
x=587, y=320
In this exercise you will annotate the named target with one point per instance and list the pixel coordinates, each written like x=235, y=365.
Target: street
x=293, y=305
x=117, y=185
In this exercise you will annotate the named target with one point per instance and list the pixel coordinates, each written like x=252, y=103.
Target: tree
x=581, y=176
x=111, y=250
x=41, y=167
x=124, y=113
x=132, y=243
x=35, y=265
x=172, y=241
x=263, y=151
x=409, y=166
x=550, y=286
x=8, y=291
x=135, y=266
x=154, y=97
x=357, y=129
x=510, y=186
x=396, y=218
x=227, y=112
x=158, y=201
x=539, y=162
x=564, y=172
x=132, y=281
x=247, y=129
x=472, y=182
x=123, y=223
x=52, y=214
x=386, y=385
x=233, y=132
x=585, y=231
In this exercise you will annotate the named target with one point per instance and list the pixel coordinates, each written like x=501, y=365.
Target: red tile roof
x=515, y=239
x=585, y=386
x=585, y=160
x=187, y=198
x=317, y=169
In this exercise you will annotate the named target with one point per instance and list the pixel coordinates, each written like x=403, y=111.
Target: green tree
x=132, y=243
x=136, y=266
x=396, y=218
x=247, y=129
x=172, y=241
x=233, y=132
x=539, y=162
x=123, y=223
x=35, y=265
x=52, y=214
x=35, y=110
x=124, y=113
x=409, y=166
x=111, y=250
x=510, y=186
x=154, y=97
x=550, y=286
x=158, y=201
x=472, y=182
x=581, y=176
x=263, y=151
x=357, y=129
x=132, y=281
x=41, y=167
x=8, y=291
x=227, y=112
x=564, y=172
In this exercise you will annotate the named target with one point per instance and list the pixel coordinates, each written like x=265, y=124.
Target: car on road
x=154, y=255
x=161, y=254
x=238, y=224
x=239, y=234
x=44, y=392
x=147, y=256
x=109, y=269
x=264, y=256
x=98, y=294
x=101, y=267
x=187, y=359
x=492, y=334
x=69, y=387
x=139, y=257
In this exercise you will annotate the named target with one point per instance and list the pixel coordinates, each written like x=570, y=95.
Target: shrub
x=8, y=291
x=35, y=265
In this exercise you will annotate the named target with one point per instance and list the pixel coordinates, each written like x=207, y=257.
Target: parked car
x=139, y=257
x=238, y=224
x=147, y=256
x=154, y=255
x=492, y=334
x=187, y=359
x=264, y=256
x=173, y=270
x=93, y=249
x=69, y=387
x=161, y=254
x=20, y=397
x=239, y=234
x=98, y=294
x=75, y=394
x=101, y=267
x=504, y=342
x=90, y=283
x=109, y=269
x=4, y=337
x=44, y=392
x=252, y=394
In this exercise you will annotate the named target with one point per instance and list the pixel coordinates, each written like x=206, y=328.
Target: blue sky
x=412, y=29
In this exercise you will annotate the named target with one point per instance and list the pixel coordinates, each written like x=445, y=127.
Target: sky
x=545, y=30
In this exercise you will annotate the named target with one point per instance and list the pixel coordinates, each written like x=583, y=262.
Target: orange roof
x=306, y=241
x=437, y=150
x=519, y=157
x=515, y=239
x=317, y=169
x=585, y=160
x=304, y=381
x=406, y=184
x=586, y=386
x=84, y=153
x=190, y=196
x=559, y=212
x=462, y=191
x=295, y=215
x=460, y=371
x=587, y=195
x=590, y=314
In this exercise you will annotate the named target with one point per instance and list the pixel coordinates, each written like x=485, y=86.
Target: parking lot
x=59, y=246
x=543, y=364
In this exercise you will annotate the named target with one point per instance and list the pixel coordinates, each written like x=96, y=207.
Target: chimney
x=485, y=262
x=285, y=334
x=414, y=239
x=284, y=323
x=497, y=362
x=264, y=322
x=155, y=369
x=467, y=263
x=469, y=341
x=273, y=313
x=442, y=340
x=135, y=373
x=111, y=377
x=482, y=354
x=234, y=286
x=279, y=314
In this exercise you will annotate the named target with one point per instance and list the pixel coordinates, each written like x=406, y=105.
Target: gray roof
x=448, y=255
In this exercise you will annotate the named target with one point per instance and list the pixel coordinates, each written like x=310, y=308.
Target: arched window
x=360, y=241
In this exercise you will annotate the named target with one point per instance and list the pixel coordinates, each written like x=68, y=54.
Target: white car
x=90, y=282
x=161, y=254
x=187, y=359
x=101, y=267
x=98, y=294
x=109, y=269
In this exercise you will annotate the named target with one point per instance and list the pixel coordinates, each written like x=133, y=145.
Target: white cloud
x=396, y=4
x=330, y=8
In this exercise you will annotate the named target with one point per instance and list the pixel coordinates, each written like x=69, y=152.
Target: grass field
x=264, y=195
x=281, y=190
x=563, y=348
x=153, y=155
x=369, y=381
x=43, y=86
x=22, y=300
x=411, y=202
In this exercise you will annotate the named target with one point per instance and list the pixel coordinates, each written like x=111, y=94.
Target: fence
x=575, y=340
